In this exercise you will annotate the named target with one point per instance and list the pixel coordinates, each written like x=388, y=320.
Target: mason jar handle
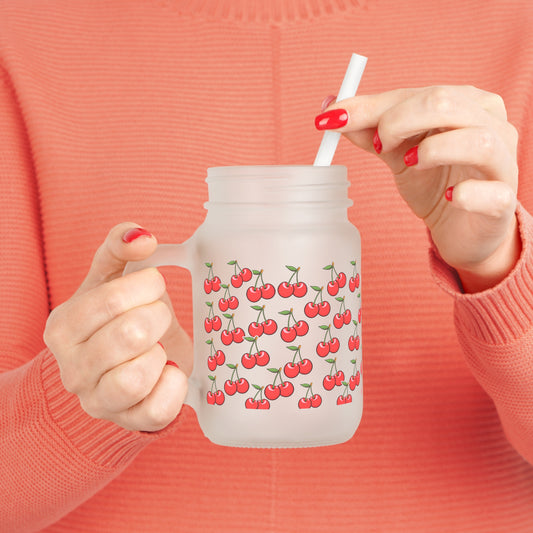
x=179, y=255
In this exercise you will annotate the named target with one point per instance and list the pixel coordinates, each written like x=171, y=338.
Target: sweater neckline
x=274, y=11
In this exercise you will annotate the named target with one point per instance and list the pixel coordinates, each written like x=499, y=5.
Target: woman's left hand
x=453, y=156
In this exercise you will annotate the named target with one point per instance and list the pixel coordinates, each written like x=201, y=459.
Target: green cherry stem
x=259, y=391
x=213, y=383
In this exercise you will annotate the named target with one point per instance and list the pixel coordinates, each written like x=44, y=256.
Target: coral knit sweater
x=112, y=111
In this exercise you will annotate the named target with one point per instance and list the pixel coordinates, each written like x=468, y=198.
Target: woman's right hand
x=106, y=338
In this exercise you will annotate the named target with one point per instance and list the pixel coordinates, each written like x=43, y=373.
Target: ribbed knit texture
x=112, y=111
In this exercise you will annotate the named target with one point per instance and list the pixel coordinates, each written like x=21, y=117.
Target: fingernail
x=331, y=120
x=172, y=363
x=160, y=344
x=449, y=194
x=411, y=156
x=327, y=101
x=376, y=141
x=135, y=233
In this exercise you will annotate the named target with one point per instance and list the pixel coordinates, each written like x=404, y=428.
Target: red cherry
x=288, y=334
x=262, y=358
x=291, y=370
x=359, y=315
x=341, y=279
x=339, y=378
x=253, y=294
x=242, y=386
x=347, y=316
x=316, y=400
x=286, y=389
x=341, y=400
x=333, y=288
x=250, y=403
x=238, y=335
x=246, y=274
x=352, y=383
x=338, y=321
x=357, y=342
x=236, y=280
x=354, y=283
x=216, y=283
x=268, y=291
x=255, y=329
x=305, y=366
x=351, y=343
x=211, y=362
x=233, y=302
x=348, y=398
x=219, y=397
x=226, y=337
x=248, y=360
x=304, y=403
x=270, y=327
x=230, y=387
x=334, y=345
x=329, y=382
x=272, y=392
x=300, y=289
x=217, y=323
x=208, y=325
x=208, y=286
x=220, y=357
x=211, y=398
x=357, y=378
x=311, y=310
x=301, y=328
x=223, y=304
x=263, y=404
x=324, y=308
x=285, y=289
x=322, y=349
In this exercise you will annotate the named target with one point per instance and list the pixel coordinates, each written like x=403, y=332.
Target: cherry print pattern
x=245, y=310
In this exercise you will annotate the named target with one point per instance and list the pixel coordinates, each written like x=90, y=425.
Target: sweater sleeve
x=53, y=456
x=495, y=329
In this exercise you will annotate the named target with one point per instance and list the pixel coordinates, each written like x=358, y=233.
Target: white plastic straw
x=349, y=86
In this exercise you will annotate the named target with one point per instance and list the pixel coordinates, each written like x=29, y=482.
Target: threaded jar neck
x=278, y=186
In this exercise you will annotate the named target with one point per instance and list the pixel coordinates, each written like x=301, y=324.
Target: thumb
x=125, y=242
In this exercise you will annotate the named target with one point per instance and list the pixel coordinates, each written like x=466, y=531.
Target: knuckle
x=505, y=199
x=132, y=333
x=132, y=383
x=71, y=379
x=92, y=407
x=485, y=142
x=54, y=332
x=163, y=313
x=114, y=303
x=496, y=102
x=160, y=414
x=440, y=100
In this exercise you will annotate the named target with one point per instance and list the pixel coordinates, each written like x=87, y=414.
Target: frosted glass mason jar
x=276, y=273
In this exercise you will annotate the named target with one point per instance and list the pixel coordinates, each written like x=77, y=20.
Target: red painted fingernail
x=376, y=141
x=331, y=120
x=160, y=344
x=449, y=194
x=327, y=101
x=135, y=233
x=411, y=156
x=172, y=363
